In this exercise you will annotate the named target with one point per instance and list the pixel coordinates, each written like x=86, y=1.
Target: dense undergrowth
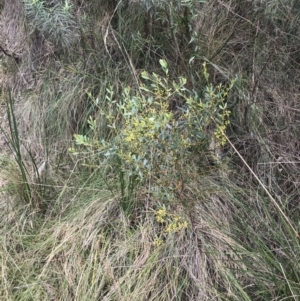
x=149, y=150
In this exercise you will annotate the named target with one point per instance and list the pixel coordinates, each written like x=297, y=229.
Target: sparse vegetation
x=149, y=150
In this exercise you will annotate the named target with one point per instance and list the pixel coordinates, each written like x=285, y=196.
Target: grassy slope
x=68, y=237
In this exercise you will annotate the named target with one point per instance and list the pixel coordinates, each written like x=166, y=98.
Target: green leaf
x=191, y=60
x=145, y=75
x=81, y=140
x=163, y=63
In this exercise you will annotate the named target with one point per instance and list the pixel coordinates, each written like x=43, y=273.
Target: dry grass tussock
x=216, y=222
x=96, y=252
